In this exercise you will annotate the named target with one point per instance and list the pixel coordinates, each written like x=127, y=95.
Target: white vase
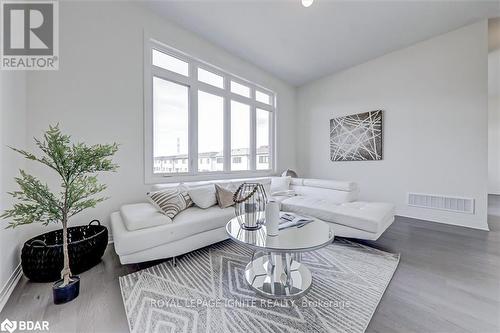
x=272, y=217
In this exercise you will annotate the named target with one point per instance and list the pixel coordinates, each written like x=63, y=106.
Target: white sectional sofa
x=331, y=201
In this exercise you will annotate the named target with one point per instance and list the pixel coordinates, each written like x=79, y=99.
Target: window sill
x=165, y=178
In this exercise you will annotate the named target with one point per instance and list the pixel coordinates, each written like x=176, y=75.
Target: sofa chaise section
x=366, y=220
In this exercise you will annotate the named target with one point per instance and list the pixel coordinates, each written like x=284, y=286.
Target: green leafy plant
x=77, y=166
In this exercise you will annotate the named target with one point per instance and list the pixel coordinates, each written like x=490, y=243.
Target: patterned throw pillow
x=224, y=196
x=171, y=201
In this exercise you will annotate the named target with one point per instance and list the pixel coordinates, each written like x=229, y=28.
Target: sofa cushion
x=367, y=216
x=142, y=215
x=203, y=196
x=325, y=193
x=280, y=198
x=189, y=222
x=287, y=193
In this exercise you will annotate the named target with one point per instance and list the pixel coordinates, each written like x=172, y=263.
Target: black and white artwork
x=356, y=137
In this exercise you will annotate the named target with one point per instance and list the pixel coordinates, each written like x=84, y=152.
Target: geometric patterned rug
x=207, y=292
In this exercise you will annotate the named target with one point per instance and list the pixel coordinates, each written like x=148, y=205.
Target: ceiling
x=300, y=44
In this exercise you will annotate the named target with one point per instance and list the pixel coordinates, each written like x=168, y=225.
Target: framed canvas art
x=356, y=137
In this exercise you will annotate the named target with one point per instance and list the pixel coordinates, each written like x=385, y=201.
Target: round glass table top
x=311, y=236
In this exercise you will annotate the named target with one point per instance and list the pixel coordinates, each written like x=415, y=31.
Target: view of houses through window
x=212, y=161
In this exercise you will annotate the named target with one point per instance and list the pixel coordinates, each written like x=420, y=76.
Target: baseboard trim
x=8, y=288
x=446, y=224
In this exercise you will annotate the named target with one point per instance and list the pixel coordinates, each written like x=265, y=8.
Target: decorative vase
x=272, y=218
x=67, y=293
x=250, y=204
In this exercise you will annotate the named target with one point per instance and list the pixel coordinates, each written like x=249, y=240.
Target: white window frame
x=194, y=85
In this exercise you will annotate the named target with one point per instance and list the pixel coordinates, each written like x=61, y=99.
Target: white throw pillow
x=141, y=216
x=203, y=196
x=279, y=184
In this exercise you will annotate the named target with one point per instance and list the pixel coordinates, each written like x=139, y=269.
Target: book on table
x=289, y=220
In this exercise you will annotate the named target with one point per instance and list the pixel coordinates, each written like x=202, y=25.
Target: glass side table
x=275, y=270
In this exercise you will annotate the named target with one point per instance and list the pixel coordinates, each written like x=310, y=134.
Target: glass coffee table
x=275, y=270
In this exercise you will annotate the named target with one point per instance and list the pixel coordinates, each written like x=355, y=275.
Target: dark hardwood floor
x=448, y=280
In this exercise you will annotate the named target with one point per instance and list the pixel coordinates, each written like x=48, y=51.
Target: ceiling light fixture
x=307, y=3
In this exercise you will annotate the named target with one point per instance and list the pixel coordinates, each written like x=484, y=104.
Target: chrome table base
x=278, y=276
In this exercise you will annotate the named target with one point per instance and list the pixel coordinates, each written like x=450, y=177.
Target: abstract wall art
x=356, y=137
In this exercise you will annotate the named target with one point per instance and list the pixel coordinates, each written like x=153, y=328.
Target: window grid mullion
x=193, y=123
x=227, y=126
x=253, y=132
x=271, y=140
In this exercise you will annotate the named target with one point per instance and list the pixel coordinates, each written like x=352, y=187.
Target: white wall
x=12, y=132
x=434, y=94
x=97, y=94
x=494, y=106
x=493, y=122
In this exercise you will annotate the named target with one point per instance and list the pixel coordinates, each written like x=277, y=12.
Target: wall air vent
x=441, y=202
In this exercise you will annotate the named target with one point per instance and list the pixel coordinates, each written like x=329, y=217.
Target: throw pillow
x=203, y=196
x=224, y=196
x=171, y=201
x=279, y=184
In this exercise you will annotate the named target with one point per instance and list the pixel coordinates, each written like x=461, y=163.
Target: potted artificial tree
x=77, y=166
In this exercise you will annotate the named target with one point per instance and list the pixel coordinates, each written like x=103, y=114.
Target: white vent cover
x=441, y=202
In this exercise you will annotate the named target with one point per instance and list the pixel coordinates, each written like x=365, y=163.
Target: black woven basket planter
x=42, y=256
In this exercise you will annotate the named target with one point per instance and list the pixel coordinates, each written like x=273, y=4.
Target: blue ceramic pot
x=67, y=293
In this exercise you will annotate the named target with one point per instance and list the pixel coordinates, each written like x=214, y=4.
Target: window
x=210, y=129
x=210, y=78
x=170, y=121
x=262, y=139
x=240, y=89
x=201, y=120
x=262, y=97
x=240, y=135
x=170, y=63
